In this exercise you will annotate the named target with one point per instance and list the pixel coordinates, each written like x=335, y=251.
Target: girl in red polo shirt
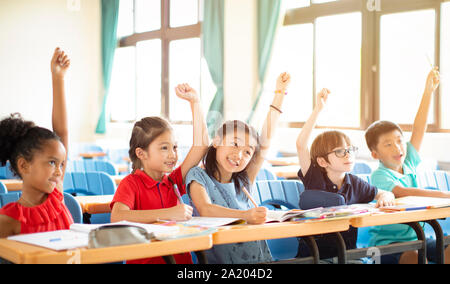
x=147, y=194
x=37, y=155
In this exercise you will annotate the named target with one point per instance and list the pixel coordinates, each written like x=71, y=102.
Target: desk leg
x=169, y=259
x=421, y=237
x=314, y=250
x=201, y=257
x=342, y=249
x=440, y=250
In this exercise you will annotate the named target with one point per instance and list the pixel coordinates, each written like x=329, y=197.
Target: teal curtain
x=268, y=19
x=110, y=13
x=213, y=48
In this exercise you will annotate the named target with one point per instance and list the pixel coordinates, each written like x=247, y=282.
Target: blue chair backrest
x=6, y=173
x=78, y=148
x=278, y=192
x=3, y=188
x=434, y=180
x=89, y=183
x=74, y=208
x=91, y=166
x=265, y=174
x=6, y=198
x=361, y=168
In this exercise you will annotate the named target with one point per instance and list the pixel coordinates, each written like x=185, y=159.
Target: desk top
x=95, y=204
x=246, y=233
x=90, y=155
x=12, y=184
x=21, y=253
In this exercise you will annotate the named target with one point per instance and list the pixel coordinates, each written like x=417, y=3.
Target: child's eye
x=53, y=163
x=164, y=148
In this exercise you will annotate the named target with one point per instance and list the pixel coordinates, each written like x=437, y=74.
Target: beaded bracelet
x=275, y=108
x=280, y=92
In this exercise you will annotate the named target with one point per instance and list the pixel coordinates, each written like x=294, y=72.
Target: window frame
x=370, y=52
x=166, y=34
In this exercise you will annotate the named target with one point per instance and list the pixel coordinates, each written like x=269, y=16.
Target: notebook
x=410, y=203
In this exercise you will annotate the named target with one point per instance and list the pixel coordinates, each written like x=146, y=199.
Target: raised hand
x=321, y=99
x=283, y=81
x=185, y=92
x=433, y=80
x=60, y=63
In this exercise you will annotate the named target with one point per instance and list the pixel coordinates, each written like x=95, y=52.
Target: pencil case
x=108, y=236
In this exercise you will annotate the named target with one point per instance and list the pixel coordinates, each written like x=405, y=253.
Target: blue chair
x=310, y=199
x=91, y=166
x=361, y=168
x=78, y=148
x=6, y=198
x=89, y=183
x=3, y=188
x=6, y=173
x=265, y=174
x=74, y=208
x=279, y=193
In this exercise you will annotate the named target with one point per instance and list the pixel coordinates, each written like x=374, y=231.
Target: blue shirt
x=387, y=179
x=224, y=194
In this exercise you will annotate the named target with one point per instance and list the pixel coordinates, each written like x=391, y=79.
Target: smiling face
x=45, y=171
x=160, y=156
x=391, y=150
x=234, y=152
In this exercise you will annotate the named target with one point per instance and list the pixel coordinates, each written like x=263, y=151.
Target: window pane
x=148, y=60
x=148, y=15
x=322, y=1
x=293, y=53
x=338, y=68
x=445, y=65
x=122, y=98
x=292, y=4
x=184, y=67
x=125, y=24
x=406, y=43
x=183, y=12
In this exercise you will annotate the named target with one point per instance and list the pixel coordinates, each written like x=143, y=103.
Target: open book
x=281, y=215
x=78, y=235
x=212, y=222
x=410, y=203
x=337, y=212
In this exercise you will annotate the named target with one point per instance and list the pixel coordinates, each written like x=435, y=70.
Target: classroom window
x=406, y=54
x=375, y=61
x=445, y=65
x=164, y=36
x=338, y=67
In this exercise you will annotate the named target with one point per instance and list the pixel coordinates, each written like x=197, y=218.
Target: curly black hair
x=21, y=138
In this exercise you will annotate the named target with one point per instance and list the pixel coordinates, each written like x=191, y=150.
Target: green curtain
x=213, y=48
x=268, y=19
x=110, y=13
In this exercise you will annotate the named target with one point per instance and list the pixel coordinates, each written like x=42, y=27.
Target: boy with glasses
x=327, y=167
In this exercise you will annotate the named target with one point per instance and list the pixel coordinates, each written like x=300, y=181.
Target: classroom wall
x=29, y=32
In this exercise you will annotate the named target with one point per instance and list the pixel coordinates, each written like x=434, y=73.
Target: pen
x=249, y=196
x=175, y=189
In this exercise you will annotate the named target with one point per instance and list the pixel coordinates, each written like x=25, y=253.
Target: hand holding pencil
x=255, y=215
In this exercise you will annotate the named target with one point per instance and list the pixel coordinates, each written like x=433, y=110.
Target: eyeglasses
x=341, y=153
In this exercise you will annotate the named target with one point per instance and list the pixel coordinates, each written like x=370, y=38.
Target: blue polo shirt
x=354, y=190
x=387, y=179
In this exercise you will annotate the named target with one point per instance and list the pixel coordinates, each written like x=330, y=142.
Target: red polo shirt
x=140, y=192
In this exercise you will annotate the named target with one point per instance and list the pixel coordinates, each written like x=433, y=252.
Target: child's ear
x=22, y=166
x=374, y=154
x=140, y=153
x=322, y=162
x=216, y=141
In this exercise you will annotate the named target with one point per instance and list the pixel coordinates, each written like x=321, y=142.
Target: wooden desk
x=247, y=233
x=117, y=179
x=284, y=161
x=288, y=172
x=12, y=184
x=91, y=155
x=95, y=204
x=21, y=253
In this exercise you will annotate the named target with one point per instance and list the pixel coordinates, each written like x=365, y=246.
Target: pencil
x=249, y=196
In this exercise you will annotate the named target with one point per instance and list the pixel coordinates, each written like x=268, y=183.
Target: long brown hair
x=144, y=132
x=210, y=162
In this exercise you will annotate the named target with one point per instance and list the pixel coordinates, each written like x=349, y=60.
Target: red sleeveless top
x=51, y=215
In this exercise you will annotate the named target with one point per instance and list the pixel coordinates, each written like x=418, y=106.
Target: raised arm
x=59, y=65
x=304, y=157
x=200, y=129
x=270, y=124
x=420, y=122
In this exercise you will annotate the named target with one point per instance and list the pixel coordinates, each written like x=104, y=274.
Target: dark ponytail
x=20, y=138
x=241, y=178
